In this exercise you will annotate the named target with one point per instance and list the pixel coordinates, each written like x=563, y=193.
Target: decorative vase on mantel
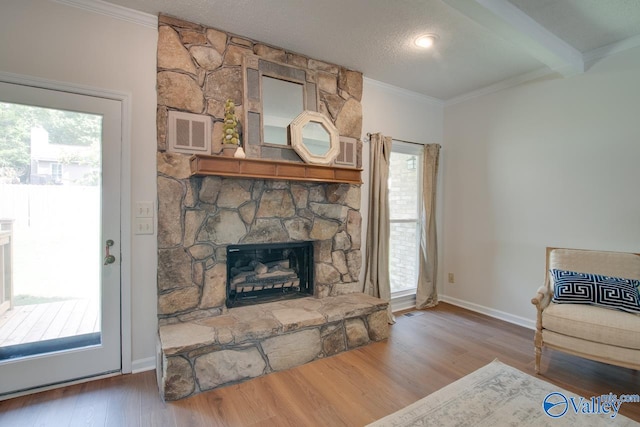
x=229, y=150
x=240, y=154
x=230, y=136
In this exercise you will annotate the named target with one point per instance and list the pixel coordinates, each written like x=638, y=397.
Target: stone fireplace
x=201, y=219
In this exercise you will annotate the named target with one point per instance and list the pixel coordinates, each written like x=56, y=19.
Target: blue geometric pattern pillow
x=586, y=288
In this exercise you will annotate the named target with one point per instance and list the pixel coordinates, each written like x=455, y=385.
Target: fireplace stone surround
x=201, y=343
x=199, y=217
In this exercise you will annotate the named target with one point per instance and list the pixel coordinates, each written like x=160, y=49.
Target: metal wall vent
x=189, y=133
x=347, y=154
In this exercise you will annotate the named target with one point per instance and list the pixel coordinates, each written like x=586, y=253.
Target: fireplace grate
x=260, y=273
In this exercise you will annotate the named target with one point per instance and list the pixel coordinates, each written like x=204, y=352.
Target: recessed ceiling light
x=426, y=41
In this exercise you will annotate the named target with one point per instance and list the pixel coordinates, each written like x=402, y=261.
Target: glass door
x=59, y=237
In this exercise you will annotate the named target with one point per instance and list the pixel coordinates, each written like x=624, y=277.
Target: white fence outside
x=56, y=238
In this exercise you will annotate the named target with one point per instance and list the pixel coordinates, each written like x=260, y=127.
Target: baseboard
x=491, y=312
x=142, y=365
x=58, y=385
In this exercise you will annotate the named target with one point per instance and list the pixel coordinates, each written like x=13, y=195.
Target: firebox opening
x=259, y=273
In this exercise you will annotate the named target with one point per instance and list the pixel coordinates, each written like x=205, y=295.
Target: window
x=405, y=193
x=56, y=172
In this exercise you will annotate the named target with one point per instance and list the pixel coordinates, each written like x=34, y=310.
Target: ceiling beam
x=511, y=24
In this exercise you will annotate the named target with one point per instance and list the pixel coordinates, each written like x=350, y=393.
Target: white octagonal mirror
x=314, y=138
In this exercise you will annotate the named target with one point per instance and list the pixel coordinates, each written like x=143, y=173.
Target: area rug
x=499, y=395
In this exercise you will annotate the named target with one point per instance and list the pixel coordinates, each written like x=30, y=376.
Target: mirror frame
x=297, y=142
x=253, y=68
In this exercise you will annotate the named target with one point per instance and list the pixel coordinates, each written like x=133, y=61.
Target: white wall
x=403, y=115
x=549, y=163
x=56, y=42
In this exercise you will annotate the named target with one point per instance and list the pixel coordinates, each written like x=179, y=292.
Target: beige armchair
x=593, y=332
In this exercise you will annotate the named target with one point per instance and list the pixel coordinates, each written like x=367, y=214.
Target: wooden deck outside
x=32, y=323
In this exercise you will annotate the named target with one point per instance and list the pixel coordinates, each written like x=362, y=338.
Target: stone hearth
x=248, y=342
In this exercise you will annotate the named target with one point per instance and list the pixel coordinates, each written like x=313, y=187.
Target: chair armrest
x=541, y=301
x=542, y=298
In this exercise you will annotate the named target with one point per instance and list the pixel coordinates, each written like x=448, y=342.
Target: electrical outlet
x=451, y=278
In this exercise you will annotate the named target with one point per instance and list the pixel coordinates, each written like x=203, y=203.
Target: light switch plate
x=143, y=226
x=144, y=210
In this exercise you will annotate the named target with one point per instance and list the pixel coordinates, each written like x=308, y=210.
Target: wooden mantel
x=203, y=165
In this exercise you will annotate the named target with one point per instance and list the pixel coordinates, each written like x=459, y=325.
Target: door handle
x=109, y=259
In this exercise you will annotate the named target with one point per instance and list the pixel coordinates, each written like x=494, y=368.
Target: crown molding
x=114, y=11
x=611, y=49
x=589, y=58
x=404, y=92
x=501, y=85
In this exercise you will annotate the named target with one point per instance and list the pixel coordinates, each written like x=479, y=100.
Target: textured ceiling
x=482, y=42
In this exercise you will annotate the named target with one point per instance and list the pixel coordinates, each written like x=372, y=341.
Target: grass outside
x=20, y=300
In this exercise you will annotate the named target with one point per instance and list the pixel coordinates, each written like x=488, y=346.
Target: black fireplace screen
x=267, y=272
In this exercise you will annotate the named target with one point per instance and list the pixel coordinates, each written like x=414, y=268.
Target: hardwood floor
x=425, y=352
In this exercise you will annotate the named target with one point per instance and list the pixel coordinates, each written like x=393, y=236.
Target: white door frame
x=125, y=192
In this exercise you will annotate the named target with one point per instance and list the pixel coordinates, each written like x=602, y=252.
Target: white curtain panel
x=376, y=279
x=427, y=294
